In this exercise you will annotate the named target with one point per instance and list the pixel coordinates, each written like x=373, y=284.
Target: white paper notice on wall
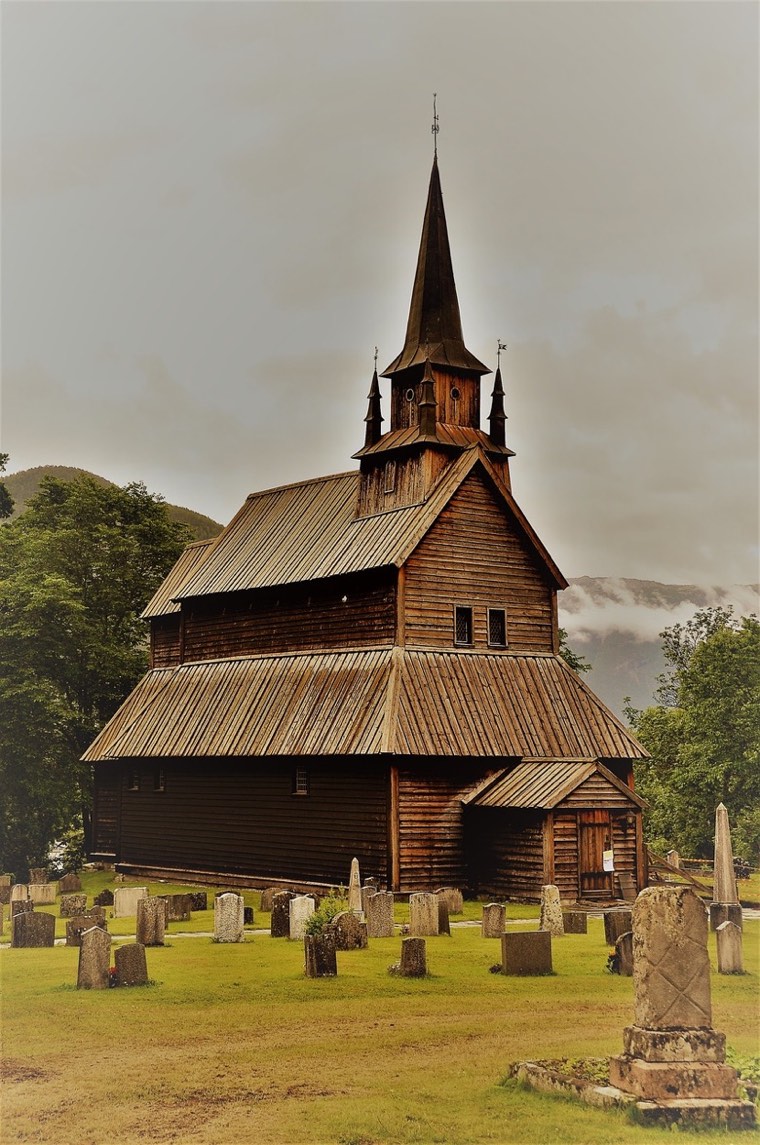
x=608, y=861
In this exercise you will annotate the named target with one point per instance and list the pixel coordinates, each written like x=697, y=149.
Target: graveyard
x=230, y=1042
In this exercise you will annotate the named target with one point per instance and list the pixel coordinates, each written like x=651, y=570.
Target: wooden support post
x=549, y=848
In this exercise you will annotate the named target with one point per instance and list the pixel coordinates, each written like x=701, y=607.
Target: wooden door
x=594, y=838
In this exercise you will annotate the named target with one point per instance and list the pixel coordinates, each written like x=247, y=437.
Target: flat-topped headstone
x=624, y=954
x=453, y=898
x=266, y=898
x=729, y=939
x=444, y=926
x=319, y=955
x=673, y=858
x=198, y=900
x=280, y=923
x=131, y=965
x=379, y=912
x=413, y=962
x=6, y=880
x=494, y=920
x=104, y=898
x=19, y=892
x=5, y=895
x=71, y=904
x=627, y=885
x=616, y=922
x=38, y=875
x=349, y=931
x=671, y=971
x=301, y=908
x=423, y=915
x=76, y=926
x=526, y=953
x=178, y=907
x=125, y=900
x=575, y=921
x=33, y=928
x=42, y=894
x=248, y=916
x=228, y=918
x=720, y=912
x=151, y=921
x=69, y=884
x=355, y=887
x=94, y=959
x=21, y=906
x=550, y=917
x=367, y=893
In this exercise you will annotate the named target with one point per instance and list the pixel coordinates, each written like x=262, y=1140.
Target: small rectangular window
x=462, y=625
x=301, y=781
x=390, y=476
x=497, y=627
x=134, y=780
x=159, y=779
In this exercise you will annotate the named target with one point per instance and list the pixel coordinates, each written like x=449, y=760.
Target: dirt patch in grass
x=11, y=1072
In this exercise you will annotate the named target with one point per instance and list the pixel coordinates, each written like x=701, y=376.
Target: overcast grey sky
x=211, y=214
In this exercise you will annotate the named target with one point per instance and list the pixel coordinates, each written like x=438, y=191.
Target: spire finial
x=375, y=357
x=499, y=347
x=435, y=128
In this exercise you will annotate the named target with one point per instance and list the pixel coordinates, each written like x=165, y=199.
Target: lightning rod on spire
x=435, y=128
x=499, y=347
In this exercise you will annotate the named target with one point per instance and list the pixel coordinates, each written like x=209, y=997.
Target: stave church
x=367, y=664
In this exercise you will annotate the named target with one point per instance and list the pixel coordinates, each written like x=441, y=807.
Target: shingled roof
x=367, y=702
x=309, y=531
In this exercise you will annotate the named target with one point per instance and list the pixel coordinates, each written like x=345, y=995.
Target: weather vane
x=375, y=357
x=499, y=347
x=435, y=128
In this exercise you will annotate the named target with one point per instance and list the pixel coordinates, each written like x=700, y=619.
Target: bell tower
x=435, y=387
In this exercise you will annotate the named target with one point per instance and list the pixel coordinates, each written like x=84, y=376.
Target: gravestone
x=624, y=954
x=72, y=904
x=616, y=922
x=6, y=880
x=627, y=885
x=452, y=896
x=674, y=859
x=94, y=959
x=198, y=900
x=526, y=953
x=32, y=928
x=105, y=898
x=21, y=906
x=673, y=1060
x=349, y=931
x=379, y=911
x=19, y=892
x=319, y=956
x=76, y=926
x=131, y=965
x=38, y=875
x=725, y=905
x=575, y=921
x=444, y=927
x=367, y=893
x=248, y=916
x=42, y=894
x=355, y=888
x=494, y=921
x=125, y=900
x=5, y=894
x=178, y=907
x=266, y=898
x=729, y=939
x=280, y=922
x=151, y=921
x=423, y=915
x=228, y=918
x=69, y=884
x=413, y=962
x=301, y=908
x=550, y=918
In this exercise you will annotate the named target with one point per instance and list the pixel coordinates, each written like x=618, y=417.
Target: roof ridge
x=301, y=484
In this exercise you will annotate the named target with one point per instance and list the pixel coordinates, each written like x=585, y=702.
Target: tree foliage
x=6, y=501
x=576, y=662
x=76, y=570
x=704, y=734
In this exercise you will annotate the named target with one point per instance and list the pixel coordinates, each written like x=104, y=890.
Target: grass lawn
x=232, y=1045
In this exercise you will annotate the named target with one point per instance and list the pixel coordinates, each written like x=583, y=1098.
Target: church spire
x=374, y=419
x=497, y=417
x=434, y=328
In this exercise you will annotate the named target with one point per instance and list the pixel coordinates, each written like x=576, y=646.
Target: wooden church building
x=368, y=664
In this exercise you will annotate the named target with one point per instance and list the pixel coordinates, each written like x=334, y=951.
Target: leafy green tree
x=704, y=735
x=6, y=501
x=76, y=570
x=576, y=662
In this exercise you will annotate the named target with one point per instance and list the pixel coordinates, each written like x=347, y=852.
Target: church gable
x=477, y=557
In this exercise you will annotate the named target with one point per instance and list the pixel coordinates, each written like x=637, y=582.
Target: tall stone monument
x=725, y=905
x=673, y=1059
x=355, y=888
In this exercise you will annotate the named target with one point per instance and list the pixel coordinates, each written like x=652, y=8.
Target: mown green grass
x=232, y=1045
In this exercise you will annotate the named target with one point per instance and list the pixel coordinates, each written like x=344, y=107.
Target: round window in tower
x=455, y=394
x=409, y=395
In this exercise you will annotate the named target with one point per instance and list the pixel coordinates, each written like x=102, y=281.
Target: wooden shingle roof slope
x=309, y=530
x=541, y=784
x=162, y=603
x=390, y=700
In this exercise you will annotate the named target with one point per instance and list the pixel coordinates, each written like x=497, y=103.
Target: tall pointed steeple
x=434, y=328
x=497, y=417
x=374, y=419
